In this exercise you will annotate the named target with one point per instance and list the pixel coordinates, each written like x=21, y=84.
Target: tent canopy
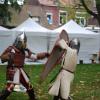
x=75, y=30
x=3, y=29
x=5, y=38
x=89, y=40
x=32, y=28
x=36, y=34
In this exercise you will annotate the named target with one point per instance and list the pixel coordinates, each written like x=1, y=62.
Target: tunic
x=66, y=75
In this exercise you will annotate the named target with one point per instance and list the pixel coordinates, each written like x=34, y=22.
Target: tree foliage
x=71, y=13
x=95, y=14
x=5, y=10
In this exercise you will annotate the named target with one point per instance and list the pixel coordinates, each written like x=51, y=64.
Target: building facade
x=50, y=13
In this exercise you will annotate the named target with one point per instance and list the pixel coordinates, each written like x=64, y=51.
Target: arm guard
x=4, y=57
x=29, y=53
x=42, y=55
x=7, y=56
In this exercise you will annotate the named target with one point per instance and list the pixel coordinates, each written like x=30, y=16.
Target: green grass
x=86, y=84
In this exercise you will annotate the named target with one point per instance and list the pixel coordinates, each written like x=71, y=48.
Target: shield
x=55, y=56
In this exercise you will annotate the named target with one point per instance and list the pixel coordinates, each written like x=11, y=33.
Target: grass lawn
x=86, y=84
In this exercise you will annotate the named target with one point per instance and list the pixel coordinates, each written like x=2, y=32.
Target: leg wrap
x=29, y=88
x=4, y=94
x=31, y=94
x=69, y=98
x=10, y=87
x=56, y=98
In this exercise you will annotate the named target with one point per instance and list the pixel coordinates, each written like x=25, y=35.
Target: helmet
x=75, y=44
x=20, y=41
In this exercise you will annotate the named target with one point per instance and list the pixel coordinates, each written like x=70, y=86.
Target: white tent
x=32, y=28
x=89, y=40
x=5, y=38
x=75, y=30
x=3, y=29
x=38, y=36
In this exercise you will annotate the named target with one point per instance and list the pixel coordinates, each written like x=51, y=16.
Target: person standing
x=15, y=56
x=60, y=88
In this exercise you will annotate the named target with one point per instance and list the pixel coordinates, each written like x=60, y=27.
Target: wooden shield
x=55, y=56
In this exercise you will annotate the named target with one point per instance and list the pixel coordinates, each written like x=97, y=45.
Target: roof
x=3, y=29
x=47, y=2
x=30, y=26
x=33, y=2
x=93, y=21
x=76, y=30
x=51, y=2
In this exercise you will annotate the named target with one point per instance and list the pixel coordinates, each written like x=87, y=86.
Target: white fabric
x=3, y=29
x=70, y=60
x=32, y=28
x=75, y=30
x=5, y=38
x=16, y=79
x=62, y=82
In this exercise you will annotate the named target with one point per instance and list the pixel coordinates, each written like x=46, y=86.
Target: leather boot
x=56, y=98
x=31, y=94
x=69, y=98
x=4, y=94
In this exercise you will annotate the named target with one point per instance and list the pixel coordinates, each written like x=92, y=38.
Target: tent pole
x=48, y=43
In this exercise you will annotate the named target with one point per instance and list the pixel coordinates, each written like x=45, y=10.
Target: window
x=35, y=18
x=62, y=17
x=81, y=21
x=49, y=18
x=80, y=18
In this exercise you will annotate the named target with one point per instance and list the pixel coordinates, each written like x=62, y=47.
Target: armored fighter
x=15, y=55
x=60, y=88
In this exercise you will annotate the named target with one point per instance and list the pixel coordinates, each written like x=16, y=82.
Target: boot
x=56, y=98
x=31, y=94
x=69, y=98
x=4, y=94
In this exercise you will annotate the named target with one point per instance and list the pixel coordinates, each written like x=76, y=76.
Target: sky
x=20, y=2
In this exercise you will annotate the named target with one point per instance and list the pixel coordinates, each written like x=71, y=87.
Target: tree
x=5, y=10
x=71, y=12
x=69, y=8
x=74, y=11
x=96, y=15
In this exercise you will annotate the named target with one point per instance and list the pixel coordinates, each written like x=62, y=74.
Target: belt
x=67, y=70
x=58, y=73
x=18, y=66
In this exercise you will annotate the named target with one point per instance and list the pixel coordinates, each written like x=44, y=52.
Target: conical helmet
x=20, y=41
x=75, y=44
